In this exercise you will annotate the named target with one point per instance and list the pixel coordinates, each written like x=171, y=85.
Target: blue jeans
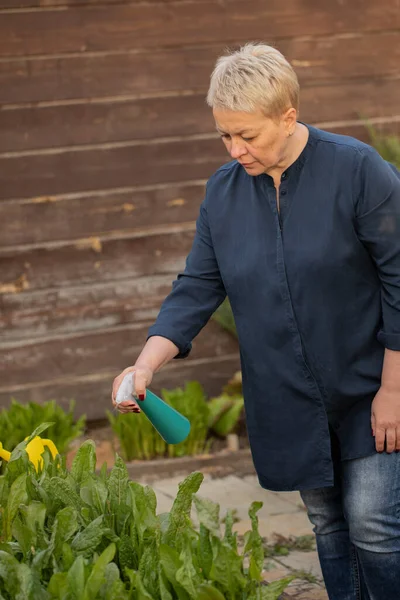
x=357, y=527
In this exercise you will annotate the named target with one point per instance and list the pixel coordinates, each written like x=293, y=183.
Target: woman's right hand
x=142, y=377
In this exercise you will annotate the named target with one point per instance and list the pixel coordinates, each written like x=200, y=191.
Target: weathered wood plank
x=105, y=75
x=138, y=26
x=50, y=218
x=70, y=171
x=64, y=218
x=316, y=60
x=113, y=121
x=81, y=308
x=94, y=261
x=358, y=130
x=104, y=121
x=48, y=4
x=100, y=168
x=93, y=392
x=99, y=351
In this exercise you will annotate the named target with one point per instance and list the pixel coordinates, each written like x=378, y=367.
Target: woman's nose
x=237, y=149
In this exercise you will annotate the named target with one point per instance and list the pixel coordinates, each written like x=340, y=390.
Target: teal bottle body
x=170, y=424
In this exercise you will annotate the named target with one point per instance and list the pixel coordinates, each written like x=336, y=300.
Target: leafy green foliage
x=190, y=401
x=139, y=439
x=283, y=545
x=79, y=535
x=17, y=422
x=388, y=146
x=224, y=316
x=225, y=412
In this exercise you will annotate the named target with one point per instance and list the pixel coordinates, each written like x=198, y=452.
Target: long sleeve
x=195, y=295
x=378, y=227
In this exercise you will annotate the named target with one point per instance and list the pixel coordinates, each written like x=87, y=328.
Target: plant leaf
x=229, y=536
x=254, y=544
x=148, y=568
x=227, y=568
x=180, y=511
x=65, y=525
x=9, y=573
x=89, y=538
x=127, y=555
x=16, y=497
x=57, y=585
x=97, y=575
x=39, y=429
x=204, y=551
x=224, y=316
x=84, y=461
x=206, y=591
x=208, y=514
x=26, y=583
x=171, y=563
x=117, y=494
x=76, y=579
x=142, y=593
x=62, y=491
x=187, y=575
x=94, y=493
x=164, y=585
x=273, y=590
x=229, y=419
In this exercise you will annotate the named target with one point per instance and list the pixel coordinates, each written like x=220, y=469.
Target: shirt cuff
x=183, y=346
x=391, y=341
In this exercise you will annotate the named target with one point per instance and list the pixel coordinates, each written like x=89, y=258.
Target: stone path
x=283, y=513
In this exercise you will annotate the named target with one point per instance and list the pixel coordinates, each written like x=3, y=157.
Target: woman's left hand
x=385, y=419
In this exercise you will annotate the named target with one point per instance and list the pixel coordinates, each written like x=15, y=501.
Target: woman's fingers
x=141, y=380
x=390, y=440
x=140, y=384
x=128, y=407
x=142, y=377
x=117, y=382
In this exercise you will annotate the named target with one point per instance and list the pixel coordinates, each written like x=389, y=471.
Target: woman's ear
x=290, y=120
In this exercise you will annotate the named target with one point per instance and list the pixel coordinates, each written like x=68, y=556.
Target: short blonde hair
x=254, y=77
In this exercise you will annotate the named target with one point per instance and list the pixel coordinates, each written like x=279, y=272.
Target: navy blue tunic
x=315, y=292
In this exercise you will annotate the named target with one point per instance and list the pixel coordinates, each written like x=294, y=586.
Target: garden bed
x=226, y=457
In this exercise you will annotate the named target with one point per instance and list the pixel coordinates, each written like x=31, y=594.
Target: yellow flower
x=34, y=449
x=4, y=454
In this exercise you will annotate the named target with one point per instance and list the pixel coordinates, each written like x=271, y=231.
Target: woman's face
x=257, y=142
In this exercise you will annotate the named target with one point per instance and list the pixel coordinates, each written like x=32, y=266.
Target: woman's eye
x=250, y=139
x=225, y=136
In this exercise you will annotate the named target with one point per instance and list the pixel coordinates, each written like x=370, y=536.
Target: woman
x=302, y=232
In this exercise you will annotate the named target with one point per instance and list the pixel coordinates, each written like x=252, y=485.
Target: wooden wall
x=105, y=146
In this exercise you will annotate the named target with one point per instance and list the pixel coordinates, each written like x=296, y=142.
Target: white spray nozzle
x=125, y=390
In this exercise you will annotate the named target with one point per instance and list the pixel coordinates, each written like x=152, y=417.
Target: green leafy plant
x=283, y=545
x=79, y=535
x=190, y=401
x=225, y=413
x=139, y=439
x=388, y=146
x=17, y=421
x=234, y=386
x=224, y=316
